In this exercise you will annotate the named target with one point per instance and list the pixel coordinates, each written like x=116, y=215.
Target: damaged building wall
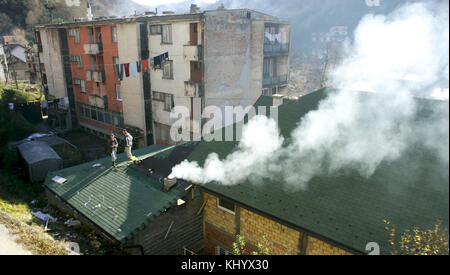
x=52, y=58
x=131, y=88
x=181, y=52
x=234, y=54
x=227, y=58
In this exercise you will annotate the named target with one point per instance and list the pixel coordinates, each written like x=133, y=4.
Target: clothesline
x=135, y=67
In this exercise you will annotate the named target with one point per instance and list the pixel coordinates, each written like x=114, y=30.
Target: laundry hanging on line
x=133, y=68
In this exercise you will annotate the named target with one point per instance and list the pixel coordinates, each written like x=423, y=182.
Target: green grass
x=11, y=94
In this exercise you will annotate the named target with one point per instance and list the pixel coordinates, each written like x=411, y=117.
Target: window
x=168, y=102
x=81, y=109
x=107, y=118
x=226, y=205
x=115, y=61
x=166, y=98
x=78, y=59
x=222, y=251
x=75, y=33
x=83, y=86
x=155, y=29
x=114, y=34
x=118, y=93
x=91, y=35
x=157, y=96
x=168, y=69
x=94, y=114
x=81, y=83
x=166, y=36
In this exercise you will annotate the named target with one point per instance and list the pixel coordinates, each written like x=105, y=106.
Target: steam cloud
x=398, y=56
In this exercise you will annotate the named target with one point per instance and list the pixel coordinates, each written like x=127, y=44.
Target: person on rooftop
x=113, y=144
x=128, y=145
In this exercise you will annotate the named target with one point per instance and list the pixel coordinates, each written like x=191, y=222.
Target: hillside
x=18, y=17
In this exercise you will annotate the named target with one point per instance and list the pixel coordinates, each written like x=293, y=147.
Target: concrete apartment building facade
x=221, y=58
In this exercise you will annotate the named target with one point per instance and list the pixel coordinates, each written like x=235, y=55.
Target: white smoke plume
x=396, y=56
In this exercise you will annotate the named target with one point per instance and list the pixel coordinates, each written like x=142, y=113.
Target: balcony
x=93, y=48
x=276, y=48
x=193, y=52
x=278, y=80
x=96, y=76
x=193, y=89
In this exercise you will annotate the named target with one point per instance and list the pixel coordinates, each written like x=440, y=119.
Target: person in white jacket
x=128, y=145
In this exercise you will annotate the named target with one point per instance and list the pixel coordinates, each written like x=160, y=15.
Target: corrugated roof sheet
x=345, y=208
x=121, y=201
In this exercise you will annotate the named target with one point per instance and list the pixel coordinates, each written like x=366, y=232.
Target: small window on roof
x=226, y=205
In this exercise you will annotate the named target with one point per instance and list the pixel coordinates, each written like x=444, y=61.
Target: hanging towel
x=145, y=67
x=127, y=69
x=139, y=66
x=133, y=68
x=166, y=56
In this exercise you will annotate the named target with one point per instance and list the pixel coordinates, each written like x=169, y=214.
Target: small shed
x=40, y=159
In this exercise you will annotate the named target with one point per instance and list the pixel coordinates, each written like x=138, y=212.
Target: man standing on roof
x=113, y=144
x=128, y=144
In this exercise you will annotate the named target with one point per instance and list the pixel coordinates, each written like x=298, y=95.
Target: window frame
x=169, y=29
x=75, y=33
x=78, y=59
x=224, y=208
x=170, y=64
x=226, y=251
x=151, y=32
x=119, y=93
x=114, y=36
x=115, y=58
x=171, y=103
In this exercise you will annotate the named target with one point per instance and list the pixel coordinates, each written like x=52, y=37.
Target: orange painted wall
x=110, y=50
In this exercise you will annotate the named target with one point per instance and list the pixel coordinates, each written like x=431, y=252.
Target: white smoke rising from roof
x=397, y=56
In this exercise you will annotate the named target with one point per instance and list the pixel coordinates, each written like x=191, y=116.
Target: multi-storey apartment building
x=198, y=59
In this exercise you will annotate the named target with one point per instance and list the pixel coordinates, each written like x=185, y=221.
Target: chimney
x=89, y=14
x=277, y=100
x=169, y=183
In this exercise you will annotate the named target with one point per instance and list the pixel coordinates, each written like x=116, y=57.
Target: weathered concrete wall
x=131, y=88
x=181, y=70
x=234, y=51
x=51, y=57
x=227, y=58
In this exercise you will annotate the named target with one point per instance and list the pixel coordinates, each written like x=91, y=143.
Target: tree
x=418, y=241
x=311, y=72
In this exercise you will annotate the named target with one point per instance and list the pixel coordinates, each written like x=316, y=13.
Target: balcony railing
x=276, y=48
x=93, y=48
x=275, y=80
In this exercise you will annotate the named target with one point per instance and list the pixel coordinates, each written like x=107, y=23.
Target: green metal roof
x=120, y=202
x=345, y=208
